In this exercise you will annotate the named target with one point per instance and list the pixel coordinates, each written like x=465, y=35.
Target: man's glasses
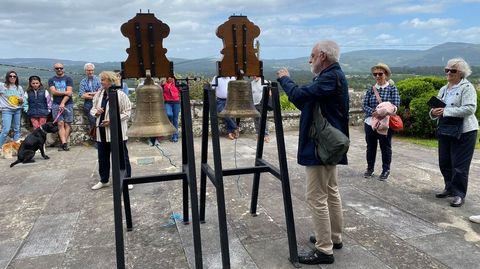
x=377, y=74
x=58, y=68
x=12, y=76
x=452, y=71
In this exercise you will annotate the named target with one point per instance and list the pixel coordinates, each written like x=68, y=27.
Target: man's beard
x=312, y=69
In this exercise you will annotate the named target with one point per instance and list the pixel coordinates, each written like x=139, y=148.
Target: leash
x=59, y=113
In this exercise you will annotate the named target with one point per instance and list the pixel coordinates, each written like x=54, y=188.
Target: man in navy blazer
x=329, y=88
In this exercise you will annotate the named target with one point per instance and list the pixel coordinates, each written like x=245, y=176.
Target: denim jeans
x=230, y=124
x=256, y=120
x=173, y=109
x=87, y=106
x=8, y=116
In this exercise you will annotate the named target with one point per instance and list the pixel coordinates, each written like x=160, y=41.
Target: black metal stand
x=120, y=182
x=261, y=166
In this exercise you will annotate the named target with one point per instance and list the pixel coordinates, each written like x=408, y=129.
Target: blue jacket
x=323, y=90
x=37, y=103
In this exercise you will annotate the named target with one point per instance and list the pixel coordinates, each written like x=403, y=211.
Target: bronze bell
x=239, y=101
x=151, y=119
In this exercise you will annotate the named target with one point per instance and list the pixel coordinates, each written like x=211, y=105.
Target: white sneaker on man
x=100, y=185
x=475, y=219
x=130, y=186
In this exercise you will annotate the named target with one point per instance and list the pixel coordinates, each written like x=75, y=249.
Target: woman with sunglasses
x=382, y=91
x=455, y=154
x=11, y=103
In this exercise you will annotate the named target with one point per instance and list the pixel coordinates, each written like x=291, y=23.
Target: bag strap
x=377, y=95
x=318, y=110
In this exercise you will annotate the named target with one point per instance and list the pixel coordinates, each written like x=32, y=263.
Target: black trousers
x=373, y=139
x=454, y=158
x=104, y=150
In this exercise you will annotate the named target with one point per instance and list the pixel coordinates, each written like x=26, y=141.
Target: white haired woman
x=455, y=153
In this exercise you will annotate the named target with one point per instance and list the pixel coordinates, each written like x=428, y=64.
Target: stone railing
x=290, y=120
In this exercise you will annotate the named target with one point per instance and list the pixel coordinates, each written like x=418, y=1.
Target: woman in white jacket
x=100, y=110
x=455, y=154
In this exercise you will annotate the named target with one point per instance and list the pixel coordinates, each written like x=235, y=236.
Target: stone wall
x=290, y=120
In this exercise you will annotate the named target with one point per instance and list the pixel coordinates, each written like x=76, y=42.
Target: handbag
x=450, y=127
x=395, y=122
x=330, y=143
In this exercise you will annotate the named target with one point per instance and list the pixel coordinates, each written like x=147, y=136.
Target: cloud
x=408, y=8
x=90, y=30
x=430, y=23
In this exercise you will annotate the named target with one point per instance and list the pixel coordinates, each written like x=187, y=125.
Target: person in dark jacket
x=322, y=194
x=38, y=103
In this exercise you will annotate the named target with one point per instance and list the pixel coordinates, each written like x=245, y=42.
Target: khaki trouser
x=324, y=202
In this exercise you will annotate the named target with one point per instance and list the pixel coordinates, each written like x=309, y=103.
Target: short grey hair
x=330, y=48
x=461, y=65
x=87, y=65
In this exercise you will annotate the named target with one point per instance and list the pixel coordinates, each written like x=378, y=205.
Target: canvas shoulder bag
x=330, y=143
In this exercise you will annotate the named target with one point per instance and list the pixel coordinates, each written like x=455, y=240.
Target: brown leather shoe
x=457, y=201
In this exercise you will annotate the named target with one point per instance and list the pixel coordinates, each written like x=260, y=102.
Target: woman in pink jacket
x=171, y=95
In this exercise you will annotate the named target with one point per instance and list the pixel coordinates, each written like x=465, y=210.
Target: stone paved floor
x=51, y=219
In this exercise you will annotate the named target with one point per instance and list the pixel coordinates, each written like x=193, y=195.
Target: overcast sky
x=90, y=30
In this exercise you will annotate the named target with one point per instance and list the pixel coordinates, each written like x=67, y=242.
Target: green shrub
x=417, y=120
x=285, y=104
x=437, y=82
x=414, y=94
x=411, y=88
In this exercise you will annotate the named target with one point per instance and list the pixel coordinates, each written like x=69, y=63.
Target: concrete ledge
x=290, y=120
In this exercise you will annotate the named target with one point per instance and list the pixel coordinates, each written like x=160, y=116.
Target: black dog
x=35, y=141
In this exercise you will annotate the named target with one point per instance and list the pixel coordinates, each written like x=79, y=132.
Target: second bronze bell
x=239, y=101
x=151, y=118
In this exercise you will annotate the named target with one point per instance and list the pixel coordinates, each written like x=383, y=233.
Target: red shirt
x=171, y=92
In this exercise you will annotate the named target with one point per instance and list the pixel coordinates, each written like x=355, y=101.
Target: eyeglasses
x=452, y=71
x=12, y=76
x=58, y=68
x=377, y=74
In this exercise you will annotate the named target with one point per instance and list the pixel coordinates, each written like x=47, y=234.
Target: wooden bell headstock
x=239, y=55
x=146, y=51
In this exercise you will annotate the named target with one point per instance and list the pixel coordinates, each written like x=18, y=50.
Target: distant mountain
x=354, y=61
x=436, y=56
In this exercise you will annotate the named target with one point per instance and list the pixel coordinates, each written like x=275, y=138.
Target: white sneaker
x=130, y=186
x=475, y=219
x=100, y=185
